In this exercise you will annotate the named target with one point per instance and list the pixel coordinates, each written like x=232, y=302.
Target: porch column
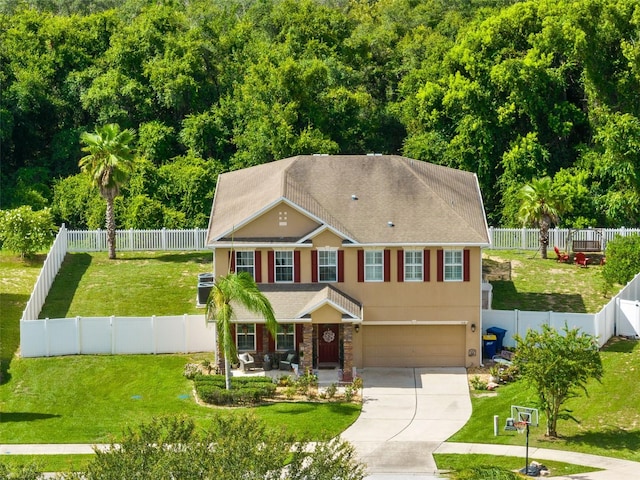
x=347, y=332
x=306, y=354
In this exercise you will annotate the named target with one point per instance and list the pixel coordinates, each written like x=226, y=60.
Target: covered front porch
x=315, y=321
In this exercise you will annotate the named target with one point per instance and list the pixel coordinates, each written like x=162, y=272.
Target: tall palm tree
x=541, y=206
x=109, y=162
x=236, y=289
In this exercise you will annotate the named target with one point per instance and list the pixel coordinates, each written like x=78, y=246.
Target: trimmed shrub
x=244, y=391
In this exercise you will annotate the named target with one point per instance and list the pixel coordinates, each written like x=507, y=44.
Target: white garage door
x=414, y=346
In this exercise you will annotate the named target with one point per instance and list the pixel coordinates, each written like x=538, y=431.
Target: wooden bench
x=586, y=246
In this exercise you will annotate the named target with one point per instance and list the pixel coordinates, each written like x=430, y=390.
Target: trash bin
x=204, y=288
x=489, y=345
x=499, y=333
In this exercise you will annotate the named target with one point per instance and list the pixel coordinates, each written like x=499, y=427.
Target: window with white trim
x=413, y=266
x=246, y=337
x=285, y=336
x=373, y=266
x=283, y=266
x=245, y=262
x=327, y=265
x=453, y=266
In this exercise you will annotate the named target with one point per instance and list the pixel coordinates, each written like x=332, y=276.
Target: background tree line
x=509, y=90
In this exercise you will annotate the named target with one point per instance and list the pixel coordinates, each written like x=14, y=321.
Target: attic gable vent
x=282, y=219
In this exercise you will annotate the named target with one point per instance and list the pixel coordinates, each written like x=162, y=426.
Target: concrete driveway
x=406, y=414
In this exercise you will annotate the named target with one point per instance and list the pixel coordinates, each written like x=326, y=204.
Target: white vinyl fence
x=47, y=275
x=116, y=335
x=189, y=334
x=529, y=238
x=621, y=316
x=137, y=240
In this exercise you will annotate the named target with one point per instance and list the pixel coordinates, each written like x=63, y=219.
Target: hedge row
x=244, y=391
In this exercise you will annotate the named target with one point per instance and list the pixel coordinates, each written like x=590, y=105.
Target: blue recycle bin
x=499, y=333
x=489, y=344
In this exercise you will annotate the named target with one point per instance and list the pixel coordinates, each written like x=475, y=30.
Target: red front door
x=328, y=343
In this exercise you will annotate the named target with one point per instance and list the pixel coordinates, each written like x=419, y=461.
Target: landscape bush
x=244, y=390
x=623, y=260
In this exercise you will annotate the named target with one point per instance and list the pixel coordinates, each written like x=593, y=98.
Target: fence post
x=523, y=238
x=491, y=239
x=196, y=238
x=164, y=238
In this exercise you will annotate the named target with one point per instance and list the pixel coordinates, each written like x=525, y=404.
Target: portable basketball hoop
x=522, y=418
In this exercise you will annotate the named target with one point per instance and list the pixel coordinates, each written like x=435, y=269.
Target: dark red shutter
x=232, y=266
x=296, y=266
x=440, y=259
x=314, y=266
x=401, y=265
x=270, y=266
x=426, y=265
x=361, y=265
x=341, y=265
x=466, y=275
x=258, y=266
x=259, y=343
x=387, y=265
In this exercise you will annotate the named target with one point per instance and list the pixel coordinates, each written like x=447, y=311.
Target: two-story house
x=368, y=260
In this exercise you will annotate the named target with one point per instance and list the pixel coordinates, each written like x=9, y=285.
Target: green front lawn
x=609, y=418
x=91, y=399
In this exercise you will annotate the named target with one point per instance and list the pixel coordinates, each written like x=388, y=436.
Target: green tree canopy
x=558, y=365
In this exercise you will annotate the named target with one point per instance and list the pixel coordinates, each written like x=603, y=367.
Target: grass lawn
x=16, y=284
x=609, y=419
x=135, y=283
x=461, y=462
x=91, y=399
x=523, y=280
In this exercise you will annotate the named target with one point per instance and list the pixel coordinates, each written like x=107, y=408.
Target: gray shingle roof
x=295, y=301
x=427, y=203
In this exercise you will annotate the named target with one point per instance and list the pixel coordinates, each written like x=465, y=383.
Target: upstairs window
x=327, y=265
x=453, y=266
x=373, y=266
x=283, y=266
x=245, y=262
x=413, y=265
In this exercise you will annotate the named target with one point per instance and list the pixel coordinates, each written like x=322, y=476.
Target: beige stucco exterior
x=434, y=310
